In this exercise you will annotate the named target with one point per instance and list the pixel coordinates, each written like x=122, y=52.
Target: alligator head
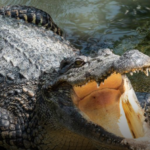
x=94, y=98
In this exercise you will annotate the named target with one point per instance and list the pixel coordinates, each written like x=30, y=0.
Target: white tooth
x=131, y=73
x=147, y=73
x=134, y=71
x=98, y=84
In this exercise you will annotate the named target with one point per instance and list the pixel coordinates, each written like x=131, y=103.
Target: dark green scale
x=31, y=15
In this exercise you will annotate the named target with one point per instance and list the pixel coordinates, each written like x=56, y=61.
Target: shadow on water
x=93, y=24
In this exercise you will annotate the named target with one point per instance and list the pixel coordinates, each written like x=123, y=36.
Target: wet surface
x=93, y=24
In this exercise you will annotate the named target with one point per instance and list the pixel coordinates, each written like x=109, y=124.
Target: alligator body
x=31, y=15
x=53, y=98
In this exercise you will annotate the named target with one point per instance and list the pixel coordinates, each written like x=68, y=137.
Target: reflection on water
x=92, y=24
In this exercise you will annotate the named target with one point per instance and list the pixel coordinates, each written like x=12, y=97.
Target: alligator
x=52, y=97
x=31, y=15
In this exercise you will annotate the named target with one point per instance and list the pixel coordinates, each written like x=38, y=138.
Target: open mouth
x=112, y=105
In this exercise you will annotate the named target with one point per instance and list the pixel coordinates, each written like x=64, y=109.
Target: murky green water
x=91, y=24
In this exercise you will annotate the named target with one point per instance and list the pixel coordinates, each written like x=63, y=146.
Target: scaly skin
x=40, y=75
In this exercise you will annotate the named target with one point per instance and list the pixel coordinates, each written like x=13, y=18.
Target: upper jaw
x=99, y=68
x=132, y=61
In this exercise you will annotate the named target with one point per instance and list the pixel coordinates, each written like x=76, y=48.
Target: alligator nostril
x=99, y=60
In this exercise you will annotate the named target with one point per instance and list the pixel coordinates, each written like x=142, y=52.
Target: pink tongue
x=105, y=98
x=102, y=108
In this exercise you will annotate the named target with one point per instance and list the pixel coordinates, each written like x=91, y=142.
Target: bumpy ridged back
x=27, y=50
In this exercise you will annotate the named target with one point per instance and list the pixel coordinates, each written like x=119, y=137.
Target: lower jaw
x=123, y=117
x=131, y=116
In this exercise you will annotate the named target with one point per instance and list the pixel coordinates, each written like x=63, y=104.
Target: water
x=93, y=24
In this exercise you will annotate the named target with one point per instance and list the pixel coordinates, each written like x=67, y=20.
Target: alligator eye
x=79, y=62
